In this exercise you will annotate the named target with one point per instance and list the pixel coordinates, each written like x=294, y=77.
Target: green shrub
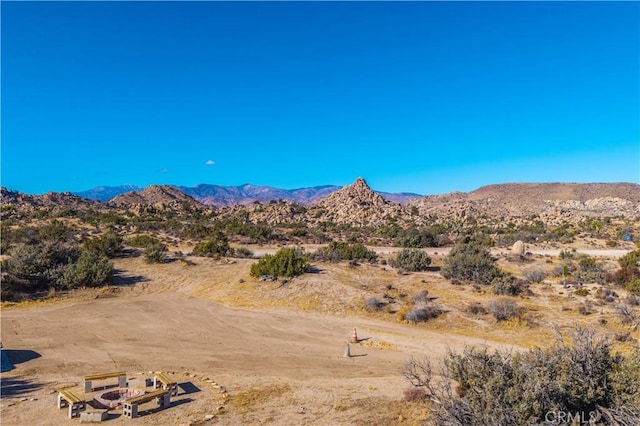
x=287, y=262
x=471, y=262
x=92, y=269
x=241, y=252
x=338, y=250
x=411, y=260
x=633, y=286
x=630, y=259
x=416, y=238
x=39, y=267
x=155, y=253
x=218, y=246
x=582, y=292
x=109, y=245
x=142, y=241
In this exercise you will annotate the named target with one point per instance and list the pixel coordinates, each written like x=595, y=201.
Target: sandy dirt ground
x=296, y=359
x=241, y=354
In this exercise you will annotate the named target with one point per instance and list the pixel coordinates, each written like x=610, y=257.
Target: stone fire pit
x=114, y=398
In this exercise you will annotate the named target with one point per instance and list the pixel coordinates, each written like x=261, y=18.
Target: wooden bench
x=130, y=406
x=68, y=398
x=121, y=375
x=164, y=381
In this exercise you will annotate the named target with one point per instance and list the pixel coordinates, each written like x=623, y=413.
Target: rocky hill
x=551, y=202
x=156, y=198
x=52, y=201
x=357, y=204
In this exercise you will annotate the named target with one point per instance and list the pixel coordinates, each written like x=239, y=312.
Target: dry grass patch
x=249, y=399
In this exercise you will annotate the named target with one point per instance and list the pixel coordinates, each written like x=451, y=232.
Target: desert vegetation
x=406, y=279
x=577, y=378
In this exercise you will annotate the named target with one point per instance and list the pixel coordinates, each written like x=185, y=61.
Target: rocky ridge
x=52, y=201
x=156, y=198
x=553, y=203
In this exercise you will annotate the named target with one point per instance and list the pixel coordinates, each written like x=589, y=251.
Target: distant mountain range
x=247, y=194
x=357, y=204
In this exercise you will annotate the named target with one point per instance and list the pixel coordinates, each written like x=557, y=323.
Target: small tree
x=287, y=262
x=471, y=262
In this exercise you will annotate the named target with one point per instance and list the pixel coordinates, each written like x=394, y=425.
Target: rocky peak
x=356, y=194
x=357, y=204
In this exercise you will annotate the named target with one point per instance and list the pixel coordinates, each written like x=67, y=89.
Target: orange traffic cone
x=354, y=338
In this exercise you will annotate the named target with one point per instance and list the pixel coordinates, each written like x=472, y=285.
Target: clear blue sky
x=426, y=97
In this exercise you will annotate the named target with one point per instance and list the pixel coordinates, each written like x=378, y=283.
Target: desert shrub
x=411, y=260
x=632, y=300
x=623, y=275
x=582, y=292
x=416, y=238
x=142, y=241
x=585, y=308
x=287, y=262
x=424, y=313
x=476, y=309
x=239, y=225
x=589, y=271
x=421, y=297
x=626, y=313
x=605, y=292
x=38, y=267
x=630, y=259
x=217, y=246
x=241, y=252
x=373, y=304
x=337, y=251
x=415, y=394
x=625, y=384
x=535, y=275
x=567, y=254
x=155, y=253
x=504, y=309
x=471, y=262
x=197, y=231
x=484, y=387
x=109, y=245
x=92, y=269
x=508, y=285
x=55, y=231
x=633, y=286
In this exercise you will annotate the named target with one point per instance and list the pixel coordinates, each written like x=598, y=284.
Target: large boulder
x=518, y=248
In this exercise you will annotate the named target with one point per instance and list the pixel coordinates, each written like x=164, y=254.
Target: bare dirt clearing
x=299, y=354
x=276, y=348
